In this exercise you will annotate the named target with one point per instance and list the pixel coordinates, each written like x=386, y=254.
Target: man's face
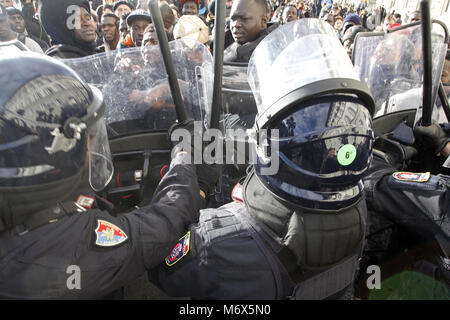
x=109, y=29
x=7, y=3
x=121, y=9
x=348, y=46
x=150, y=38
x=137, y=29
x=190, y=8
x=17, y=23
x=247, y=21
x=414, y=17
x=387, y=24
x=289, y=14
x=86, y=32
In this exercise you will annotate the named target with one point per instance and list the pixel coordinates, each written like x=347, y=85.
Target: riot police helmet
x=314, y=117
x=52, y=133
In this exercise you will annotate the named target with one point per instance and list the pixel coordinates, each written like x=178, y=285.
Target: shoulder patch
x=179, y=250
x=411, y=176
x=237, y=194
x=85, y=201
x=109, y=234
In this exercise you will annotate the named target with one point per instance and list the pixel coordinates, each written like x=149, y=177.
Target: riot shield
x=391, y=64
x=12, y=47
x=135, y=86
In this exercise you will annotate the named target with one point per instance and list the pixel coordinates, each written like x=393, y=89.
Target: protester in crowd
x=289, y=14
x=189, y=7
x=7, y=3
x=137, y=21
x=69, y=40
x=414, y=16
x=338, y=23
x=248, y=23
x=168, y=19
x=349, y=38
x=150, y=38
x=398, y=18
x=17, y=23
x=351, y=19
x=122, y=7
x=175, y=10
x=125, y=37
x=390, y=22
x=110, y=31
x=336, y=11
x=7, y=34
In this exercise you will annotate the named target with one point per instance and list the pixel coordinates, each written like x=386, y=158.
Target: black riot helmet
x=52, y=133
x=314, y=117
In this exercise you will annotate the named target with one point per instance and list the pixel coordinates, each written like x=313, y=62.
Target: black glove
x=207, y=176
x=434, y=135
x=396, y=154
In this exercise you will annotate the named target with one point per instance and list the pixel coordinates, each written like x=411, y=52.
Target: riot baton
x=155, y=12
x=427, y=103
x=219, y=43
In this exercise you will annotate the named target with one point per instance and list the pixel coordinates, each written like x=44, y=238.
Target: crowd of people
x=108, y=25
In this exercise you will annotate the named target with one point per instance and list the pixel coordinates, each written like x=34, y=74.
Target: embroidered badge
x=179, y=251
x=411, y=176
x=85, y=201
x=108, y=234
x=236, y=194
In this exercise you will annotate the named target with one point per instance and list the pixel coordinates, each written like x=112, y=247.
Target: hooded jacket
x=54, y=17
x=242, y=52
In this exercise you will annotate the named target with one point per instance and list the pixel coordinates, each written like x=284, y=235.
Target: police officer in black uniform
x=297, y=231
x=56, y=240
x=412, y=209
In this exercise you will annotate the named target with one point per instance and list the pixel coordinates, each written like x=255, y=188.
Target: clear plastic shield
x=294, y=55
x=135, y=85
x=391, y=65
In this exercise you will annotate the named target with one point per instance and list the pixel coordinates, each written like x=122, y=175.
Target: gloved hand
x=396, y=154
x=207, y=176
x=433, y=135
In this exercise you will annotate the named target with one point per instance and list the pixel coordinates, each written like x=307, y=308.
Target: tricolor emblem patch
x=411, y=176
x=108, y=234
x=179, y=251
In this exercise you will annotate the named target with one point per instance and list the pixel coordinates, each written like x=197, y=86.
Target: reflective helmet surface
x=50, y=123
x=316, y=116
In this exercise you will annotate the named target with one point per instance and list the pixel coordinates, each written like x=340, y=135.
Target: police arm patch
x=109, y=234
x=180, y=249
x=411, y=176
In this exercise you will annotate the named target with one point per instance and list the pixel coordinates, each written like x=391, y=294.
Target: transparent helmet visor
x=294, y=55
x=101, y=167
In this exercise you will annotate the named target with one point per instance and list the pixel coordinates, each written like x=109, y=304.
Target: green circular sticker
x=346, y=154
